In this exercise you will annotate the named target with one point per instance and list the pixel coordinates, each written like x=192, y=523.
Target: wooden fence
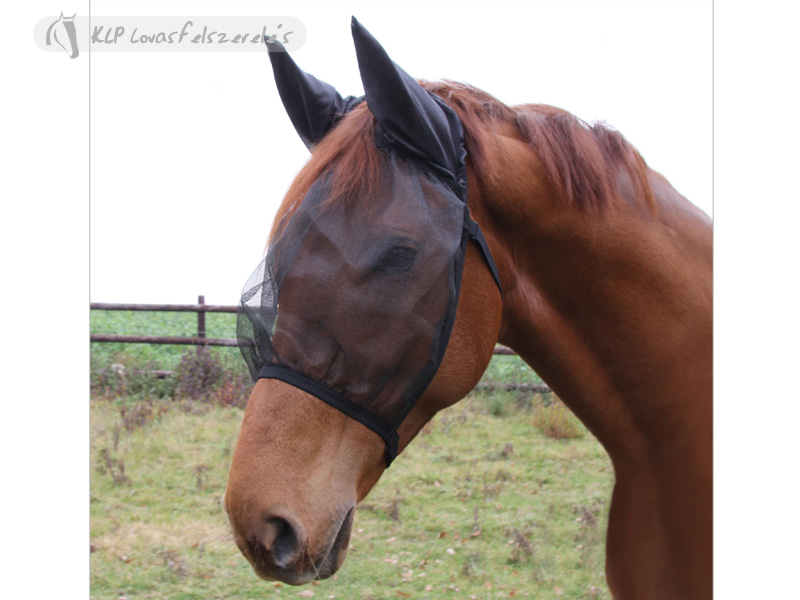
x=201, y=308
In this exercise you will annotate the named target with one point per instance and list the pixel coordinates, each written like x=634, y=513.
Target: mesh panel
x=359, y=294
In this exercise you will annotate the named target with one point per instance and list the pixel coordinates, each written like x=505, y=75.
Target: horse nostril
x=277, y=542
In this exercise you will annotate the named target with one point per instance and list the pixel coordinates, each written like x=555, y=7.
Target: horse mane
x=581, y=160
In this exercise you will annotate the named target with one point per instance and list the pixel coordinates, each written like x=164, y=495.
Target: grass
x=484, y=504
x=478, y=506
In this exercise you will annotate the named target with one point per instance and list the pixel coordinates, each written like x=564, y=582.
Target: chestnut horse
x=606, y=274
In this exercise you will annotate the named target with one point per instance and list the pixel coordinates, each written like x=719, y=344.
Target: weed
x=139, y=414
x=521, y=547
x=594, y=592
x=525, y=402
x=233, y=391
x=477, y=529
x=127, y=377
x=589, y=534
x=108, y=380
x=556, y=421
x=197, y=374
x=173, y=562
x=491, y=487
x=114, y=467
x=116, y=433
x=393, y=510
x=147, y=382
x=447, y=421
x=200, y=471
x=504, y=454
x=472, y=565
x=497, y=405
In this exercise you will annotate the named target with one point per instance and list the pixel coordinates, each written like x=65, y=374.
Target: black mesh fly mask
x=355, y=299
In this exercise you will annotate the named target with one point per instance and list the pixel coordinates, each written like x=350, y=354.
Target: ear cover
x=313, y=106
x=411, y=120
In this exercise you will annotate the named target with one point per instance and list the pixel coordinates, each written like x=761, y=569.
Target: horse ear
x=415, y=121
x=313, y=106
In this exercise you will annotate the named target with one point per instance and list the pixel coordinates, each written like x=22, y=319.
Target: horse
x=62, y=32
x=600, y=279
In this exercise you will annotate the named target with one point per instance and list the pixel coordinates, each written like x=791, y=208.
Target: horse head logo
x=62, y=32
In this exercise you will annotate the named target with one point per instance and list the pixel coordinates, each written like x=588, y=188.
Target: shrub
x=556, y=421
x=497, y=405
x=234, y=390
x=107, y=380
x=127, y=377
x=140, y=414
x=197, y=374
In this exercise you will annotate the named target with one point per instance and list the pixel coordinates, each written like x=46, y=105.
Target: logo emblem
x=62, y=33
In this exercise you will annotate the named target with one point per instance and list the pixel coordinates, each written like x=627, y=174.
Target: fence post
x=201, y=319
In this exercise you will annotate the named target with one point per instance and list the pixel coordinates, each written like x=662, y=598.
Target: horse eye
x=398, y=258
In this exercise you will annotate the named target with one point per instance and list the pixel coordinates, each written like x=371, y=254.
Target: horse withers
x=431, y=222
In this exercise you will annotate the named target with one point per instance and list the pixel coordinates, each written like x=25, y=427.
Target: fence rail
x=156, y=339
x=201, y=308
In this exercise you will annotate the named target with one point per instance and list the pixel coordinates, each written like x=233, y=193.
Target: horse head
x=62, y=32
x=376, y=306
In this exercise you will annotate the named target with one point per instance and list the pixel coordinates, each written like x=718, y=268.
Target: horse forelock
x=582, y=160
x=348, y=154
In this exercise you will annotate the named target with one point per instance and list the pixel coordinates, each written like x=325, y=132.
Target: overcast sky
x=192, y=152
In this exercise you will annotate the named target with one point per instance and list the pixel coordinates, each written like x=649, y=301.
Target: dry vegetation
x=505, y=495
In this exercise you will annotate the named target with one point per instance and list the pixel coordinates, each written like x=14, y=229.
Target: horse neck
x=611, y=306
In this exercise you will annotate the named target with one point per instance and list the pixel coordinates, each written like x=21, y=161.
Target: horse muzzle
x=278, y=548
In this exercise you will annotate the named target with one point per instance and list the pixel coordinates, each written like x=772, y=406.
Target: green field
x=484, y=504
